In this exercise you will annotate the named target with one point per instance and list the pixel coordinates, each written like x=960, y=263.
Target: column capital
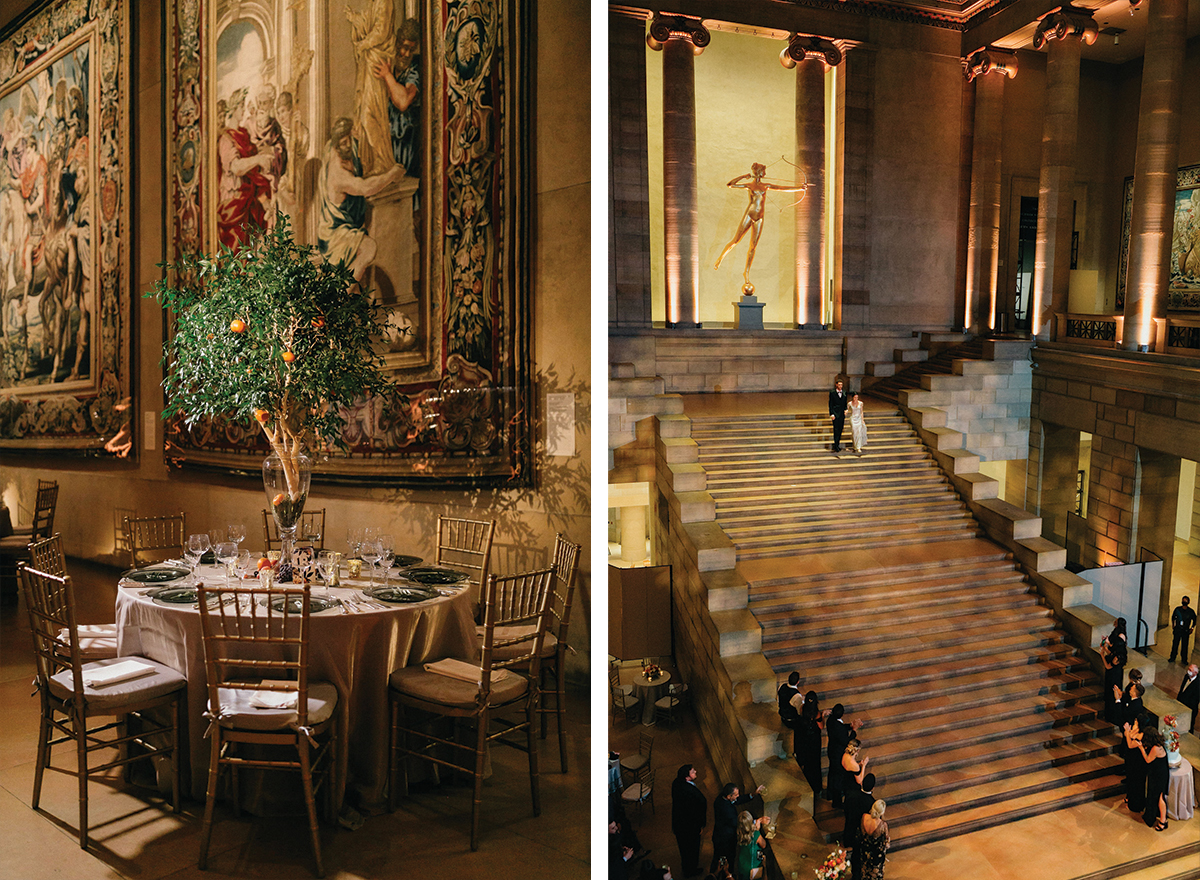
x=989, y=59
x=802, y=47
x=1066, y=21
x=677, y=27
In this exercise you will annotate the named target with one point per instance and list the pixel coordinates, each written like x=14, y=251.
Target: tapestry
x=1183, y=286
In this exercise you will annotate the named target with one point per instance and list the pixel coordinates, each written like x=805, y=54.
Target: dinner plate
x=403, y=560
x=177, y=596
x=435, y=576
x=157, y=574
x=401, y=595
x=316, y=604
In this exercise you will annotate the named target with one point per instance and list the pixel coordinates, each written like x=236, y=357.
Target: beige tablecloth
x=1181, y=792
x=356, y=652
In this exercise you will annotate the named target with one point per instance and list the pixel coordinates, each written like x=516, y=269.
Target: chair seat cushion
x=507, y=652
x=635, y=792
x=160, y=682
x=15, y=545
x=237, y=710
x=634, y=762
x=667, y=702
x=430, y=687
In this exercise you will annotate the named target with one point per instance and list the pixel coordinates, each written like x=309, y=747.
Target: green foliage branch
x=271, y=334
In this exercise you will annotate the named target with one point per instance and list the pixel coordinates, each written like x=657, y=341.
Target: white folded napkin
x=99, y=676
x=275, y=699
x=462, y=670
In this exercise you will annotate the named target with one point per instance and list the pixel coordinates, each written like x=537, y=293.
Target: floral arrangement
x=652, y=672
x=835, y=867
x=1169, y=733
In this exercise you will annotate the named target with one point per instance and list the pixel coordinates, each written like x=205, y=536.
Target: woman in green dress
x=751, y=846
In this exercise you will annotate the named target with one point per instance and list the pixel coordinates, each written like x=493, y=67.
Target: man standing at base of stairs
x=1183, y=621
x=1189, y=693
x=838, y=401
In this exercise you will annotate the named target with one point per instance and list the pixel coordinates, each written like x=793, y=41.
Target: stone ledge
x=1009, y=520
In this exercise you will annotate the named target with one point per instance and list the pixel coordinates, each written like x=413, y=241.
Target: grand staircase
x=869, y=576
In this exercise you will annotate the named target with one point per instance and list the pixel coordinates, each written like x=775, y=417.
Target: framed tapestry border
x=461, y=410
x=1183, y=294
x=65, y=306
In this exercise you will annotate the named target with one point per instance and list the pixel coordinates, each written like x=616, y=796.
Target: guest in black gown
x=1157, y=776
x=840, y=733
x=808, y=742
x=1114, y=653
x=1135, y=767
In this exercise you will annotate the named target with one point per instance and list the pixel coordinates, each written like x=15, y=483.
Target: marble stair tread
x=1003, y=812
x=859, y=524
x=787, y=434
x=801, y=447
x=860, y=471
x=780, y=494
x=868, y=624
x=832, y=567
x=864, y=683
x=944, y=509
x=715, y=428
x=883, y=537
x=760, y=506
x=873, y=589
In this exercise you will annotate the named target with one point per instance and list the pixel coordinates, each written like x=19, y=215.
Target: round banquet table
x=649, y=691
x=355, y=651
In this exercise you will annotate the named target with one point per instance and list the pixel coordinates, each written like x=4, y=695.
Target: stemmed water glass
x=387, y=552
x=310, y=530
x=241, y=564
x=354, y=539
x=227, y=554
x=197, y=546
x=371, y=554
x=326, y=565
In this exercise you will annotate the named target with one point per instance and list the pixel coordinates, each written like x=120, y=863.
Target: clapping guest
x=1135, y=767
x=751, y=846
x=839, y=733
x=1129, y=701
x=1154, y=753
x=1114, y=653
x=808, y=741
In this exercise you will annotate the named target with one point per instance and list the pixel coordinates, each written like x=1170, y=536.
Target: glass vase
x=286, y=480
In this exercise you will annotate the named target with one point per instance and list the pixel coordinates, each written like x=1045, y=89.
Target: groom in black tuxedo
x=838, y=401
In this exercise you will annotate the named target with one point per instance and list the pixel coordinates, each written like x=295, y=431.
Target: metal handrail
x=1142, y=646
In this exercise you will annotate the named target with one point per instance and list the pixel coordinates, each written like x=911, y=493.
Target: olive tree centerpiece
x=274, y=335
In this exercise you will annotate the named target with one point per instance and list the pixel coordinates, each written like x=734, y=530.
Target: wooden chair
x=621, y=696
x=498, y=688
x=554, y=648
x=253, y=660
x=312, y=522
x=637, y=762
x=70, y=696
x=665, y=707
x=97, y=641
x=155, y=538
x=466, y=544
x=639, y=791
x=15, y=547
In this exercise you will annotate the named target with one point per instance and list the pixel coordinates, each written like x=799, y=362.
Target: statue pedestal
x=747, y=313
x=394, y=270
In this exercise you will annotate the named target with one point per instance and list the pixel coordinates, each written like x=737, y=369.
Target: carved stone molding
x=990, y=60
x=1066, y=21
x=677, y=27
x=802, y=47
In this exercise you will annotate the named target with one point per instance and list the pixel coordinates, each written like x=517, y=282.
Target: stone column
x=629, y=302
x=1053, y=468
x=1155, y=506
x=1154, y=172
x=1064, y=29
x=989, y=69
x=852, y=261
x=680, y=39
x=810, y=56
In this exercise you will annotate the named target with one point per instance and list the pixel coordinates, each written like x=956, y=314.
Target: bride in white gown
x=858, y=427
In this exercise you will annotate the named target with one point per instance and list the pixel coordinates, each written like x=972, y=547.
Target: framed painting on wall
x=64, y=201
x=393, y=136
x=1183, y=286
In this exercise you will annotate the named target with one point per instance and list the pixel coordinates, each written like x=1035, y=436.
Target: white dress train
x=858, y=427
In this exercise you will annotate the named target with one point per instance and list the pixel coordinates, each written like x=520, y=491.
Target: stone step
x=812, y=445
x=865, y=604
x=880, y=533
x=887, y=482
x=804, y=503
x=844, y=475
x=872, y=589
x=929, y=536
x=785, y=525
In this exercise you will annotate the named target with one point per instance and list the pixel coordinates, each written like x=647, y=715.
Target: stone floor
x=133, y=836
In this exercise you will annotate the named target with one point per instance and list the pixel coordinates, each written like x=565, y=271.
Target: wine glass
x=310, y=530
x=236, y=532
x=371, y=554
x=197, y=546
x=241, y=564
x=227, y=553
x=354, y=539
x=387, y=552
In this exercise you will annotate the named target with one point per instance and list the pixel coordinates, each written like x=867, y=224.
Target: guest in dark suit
x=840, y=733
x=838, y=401
x=689, y=815
x=787, y=712
x=808, y=741
x=1189, y=693
x=1183, y=622
x=858, y=803
x=725, y=817
x=1129, y=702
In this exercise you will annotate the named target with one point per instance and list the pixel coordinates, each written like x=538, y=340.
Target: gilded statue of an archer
x=752, y=219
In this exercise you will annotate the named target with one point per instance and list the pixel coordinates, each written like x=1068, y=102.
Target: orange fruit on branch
x=237, y=325
x=278, y=499
x=288, y=357
x=261, y=415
